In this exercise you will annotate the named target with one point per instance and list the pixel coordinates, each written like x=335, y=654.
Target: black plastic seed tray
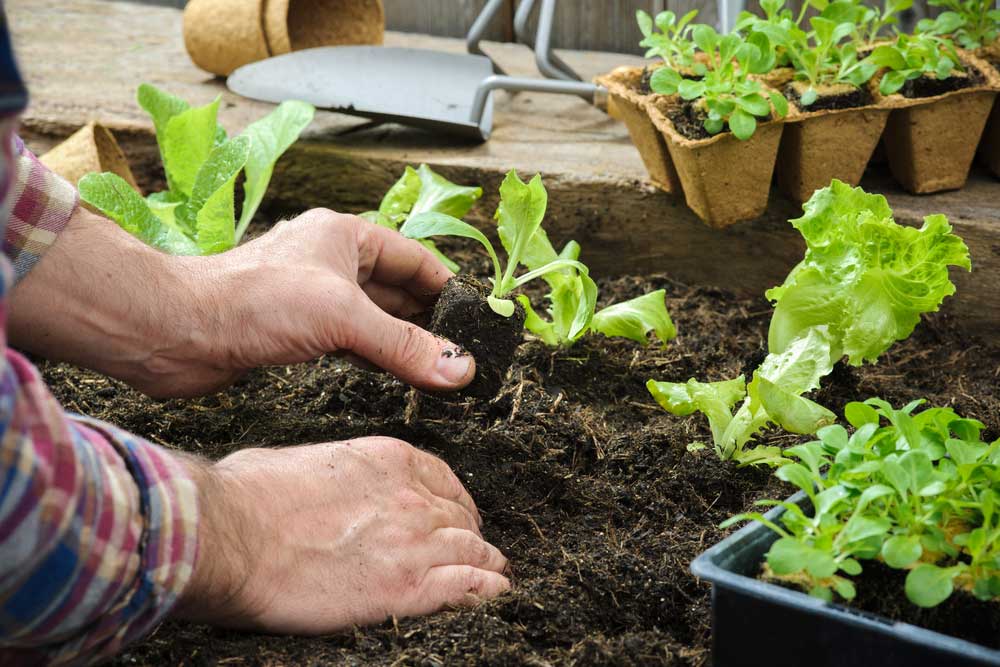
x=758, y=624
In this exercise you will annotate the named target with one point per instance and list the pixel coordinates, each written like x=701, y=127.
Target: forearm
x=102, y=299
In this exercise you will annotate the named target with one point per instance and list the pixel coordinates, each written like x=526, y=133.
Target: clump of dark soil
x=929, y=86
x=463, y=316
x=582, y=480
x=858, y=97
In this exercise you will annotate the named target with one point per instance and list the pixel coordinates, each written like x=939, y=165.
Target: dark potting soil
x=647, y=75
x=689, y=121
x=858, y=97
x=929, y=86
x=582, y=480
x=463, y=316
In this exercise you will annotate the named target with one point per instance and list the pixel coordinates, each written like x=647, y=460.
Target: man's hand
x=315, y=539
x=182, y=326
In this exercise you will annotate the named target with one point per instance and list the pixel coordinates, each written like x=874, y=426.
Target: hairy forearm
x=102, y=299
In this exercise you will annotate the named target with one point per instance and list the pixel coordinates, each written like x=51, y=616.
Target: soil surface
x=858, y=97
x=463, y=316
x=929, y=86
x=583, y=481
x=689, y=121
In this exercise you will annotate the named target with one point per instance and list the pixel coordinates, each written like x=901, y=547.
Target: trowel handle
x=596, y=95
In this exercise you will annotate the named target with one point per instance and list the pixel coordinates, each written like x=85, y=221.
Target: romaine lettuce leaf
x=269, y=137
x=208, y=215
x=188, y=140
x=714, y=399
x=637, y=317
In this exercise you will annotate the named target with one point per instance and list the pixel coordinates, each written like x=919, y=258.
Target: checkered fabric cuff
x=42, y=205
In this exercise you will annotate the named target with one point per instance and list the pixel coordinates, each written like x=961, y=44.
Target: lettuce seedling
x=726, y=93
x=919, y=493
x=519, y=218
x=862, y=285
x=673, y=43
x=421, y=190
x=571, y=293
x=196, y=214
x=911, y=57
x=971, y=23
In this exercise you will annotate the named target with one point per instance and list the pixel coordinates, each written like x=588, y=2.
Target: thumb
x=412, y=354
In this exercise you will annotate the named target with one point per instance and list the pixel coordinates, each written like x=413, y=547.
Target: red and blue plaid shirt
x=98, y=528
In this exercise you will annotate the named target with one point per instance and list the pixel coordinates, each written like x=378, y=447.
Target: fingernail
x=454, y=366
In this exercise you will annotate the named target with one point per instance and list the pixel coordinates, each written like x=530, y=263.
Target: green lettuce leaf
x=714, y=399
x=208, y=215
x=116, y=199
x=864, y=276
x=519, y=216
x=637, y=317
x=269, y=137
x=188, y=140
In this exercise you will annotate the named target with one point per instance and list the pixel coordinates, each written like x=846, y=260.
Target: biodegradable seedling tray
x=931, y=141
x=724, y=180
x=628, y=104
x=756, y=623
x=819, y=146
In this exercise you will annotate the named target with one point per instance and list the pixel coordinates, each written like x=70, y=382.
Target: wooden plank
x=600, y=25
x=596, y=182
x=446, y=18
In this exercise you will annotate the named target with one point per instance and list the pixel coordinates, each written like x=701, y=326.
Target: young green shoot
x=911, y=57
x=673, y=43
x=971, y=23
x=196, y=214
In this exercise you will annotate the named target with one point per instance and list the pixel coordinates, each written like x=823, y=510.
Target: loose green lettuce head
x=196, y=215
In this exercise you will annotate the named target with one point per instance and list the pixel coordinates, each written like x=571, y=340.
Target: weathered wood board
x=84, y=59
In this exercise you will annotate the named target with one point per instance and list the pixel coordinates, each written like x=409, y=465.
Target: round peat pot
x=724, y=180
x=931, y=141
x=627, y=103
x=92, y=148
x=223, y=35
x=755, y=623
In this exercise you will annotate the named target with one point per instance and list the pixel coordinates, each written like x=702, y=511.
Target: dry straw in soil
x=92, y=148
x=930, y=141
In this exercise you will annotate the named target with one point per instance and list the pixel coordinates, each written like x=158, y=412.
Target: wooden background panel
x=446, y=18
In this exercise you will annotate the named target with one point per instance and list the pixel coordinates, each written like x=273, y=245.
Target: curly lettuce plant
x=725, y=93
x=913, y=56
x=971, y=23
x=196, y=214
x=919, y=492
x=421, y=190
x=862, y=285
x=673, y=43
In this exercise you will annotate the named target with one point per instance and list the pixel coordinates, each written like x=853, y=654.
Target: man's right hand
x=318, y=538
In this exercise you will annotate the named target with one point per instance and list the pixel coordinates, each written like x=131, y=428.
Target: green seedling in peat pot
x=421, y=190
x=196, y=214
x=820, y=57
x=971, y=23
x=913, y=57
x=673, y=43
x=914, y=490
x=725, y=96
x=869, y=22
x=862, y=285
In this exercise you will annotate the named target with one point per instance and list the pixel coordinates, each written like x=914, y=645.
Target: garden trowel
x=443, y=92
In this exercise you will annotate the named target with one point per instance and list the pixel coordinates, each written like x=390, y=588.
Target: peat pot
x=819, y=146
x=931, y=141
x=756, y=623
x=724, y=180
x=627, y=103
x=222, y=35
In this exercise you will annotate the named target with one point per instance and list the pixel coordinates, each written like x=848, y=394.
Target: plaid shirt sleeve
x=43, y=204
x=98, y=528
